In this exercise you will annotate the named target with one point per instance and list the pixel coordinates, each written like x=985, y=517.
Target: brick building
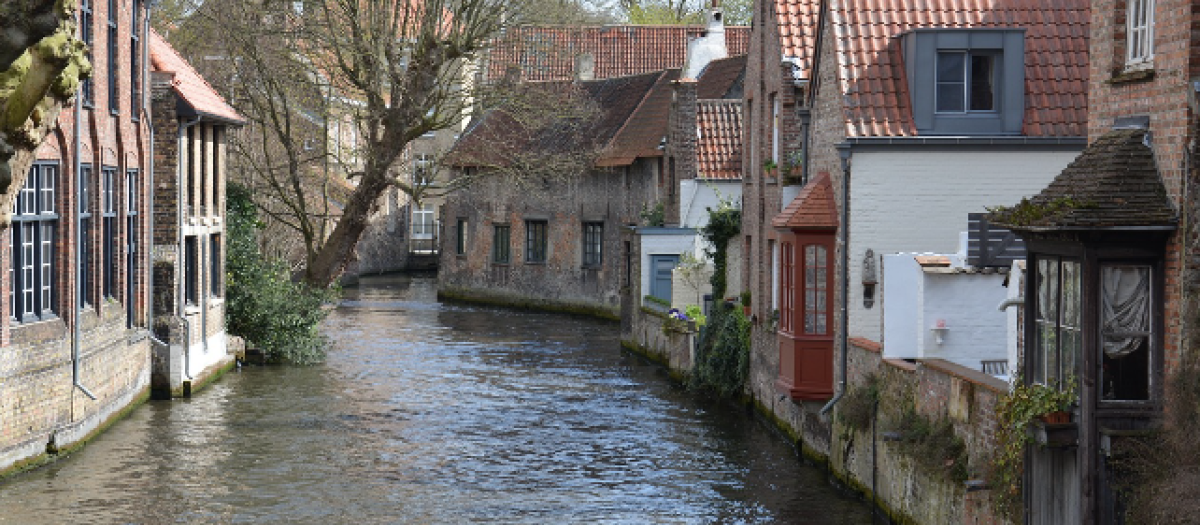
x=1110, y=296
x=191, y=122
x=874, y=128
x=74, y=345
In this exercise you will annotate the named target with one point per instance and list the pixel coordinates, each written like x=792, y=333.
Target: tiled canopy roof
x=1113, y=183
x=631, y=124
x=813, y=209
x=189, y=85
x=871, y=74
x=549, y=52
x=797, y=21
x=719, y=144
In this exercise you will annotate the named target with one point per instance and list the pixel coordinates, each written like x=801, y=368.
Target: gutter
x=844, y=152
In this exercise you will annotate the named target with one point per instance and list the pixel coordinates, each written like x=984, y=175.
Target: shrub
x=857, y=409
x=263, y=305
x=723, y=359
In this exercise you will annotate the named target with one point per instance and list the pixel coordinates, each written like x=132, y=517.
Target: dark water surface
x=433, y=413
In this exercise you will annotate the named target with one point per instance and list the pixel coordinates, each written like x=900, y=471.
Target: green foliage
x=263, y=305
x=857, y=408
x=745, y=297
x=658, y=301
x=695, y=313
x=1027, y=213
x=1014, y=412
x=933, y=445
x=724, y=223
x=723, y=359
x=654, y=216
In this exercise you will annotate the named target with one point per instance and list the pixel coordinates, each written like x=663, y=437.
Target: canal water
x=436, y=413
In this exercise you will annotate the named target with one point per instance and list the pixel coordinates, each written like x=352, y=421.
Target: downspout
x=75, y=380
x=844, y=153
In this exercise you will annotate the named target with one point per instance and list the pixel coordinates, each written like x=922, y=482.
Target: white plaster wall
x=902, y=281
x=201, y=356
x=663, y=244
x=696, y=196
x=976, y=330
x=917, y=201
x=685, y=291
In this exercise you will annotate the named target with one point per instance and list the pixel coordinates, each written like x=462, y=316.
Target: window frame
x=593, y=244
x=460, y=239
x=536, y=241
x=135, y=78
x=501, y=251
x=967, y=81
x=109, y=233
x=33, y=296
x=1006, y=46
x=216, y=273
x=191, y=271
x=1039, y=362
x=114, y=92
x=87, y=35
x=84, y=275
x=1139, y=34
x=1153, y=336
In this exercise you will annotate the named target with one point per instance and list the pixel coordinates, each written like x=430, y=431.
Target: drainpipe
x=844, y=153
x=75, y=373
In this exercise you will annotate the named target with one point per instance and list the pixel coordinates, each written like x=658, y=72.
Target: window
x=593, y=244
x=776, y=128
x=32, y=246
x=423, y=170
x=218, y=133
x=816, y=289
x=114, y=104
x=965, y=82
x=131, y=243
x=85, y=33
x=215, y=267
x=189, y=195
x=202, y=191
x=535, y=241
x=108, y=203
x=787, y=284
x=1125, y=317
x=191, y=270
x=85, y=234
x=135, y=80
x=460, y=243
x=501, y=244
x=1058, y=339
x=1139, y=45
x=422, y=221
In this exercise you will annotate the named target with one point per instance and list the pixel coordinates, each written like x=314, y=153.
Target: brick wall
x=38, y=398
x=614, y=197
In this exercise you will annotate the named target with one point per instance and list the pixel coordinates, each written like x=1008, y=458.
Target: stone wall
x=613, y=197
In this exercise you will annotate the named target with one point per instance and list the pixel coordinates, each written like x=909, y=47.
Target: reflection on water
x=433, y=413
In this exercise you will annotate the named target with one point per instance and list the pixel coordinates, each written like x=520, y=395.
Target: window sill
x=592, y=267
x=33, y=319
x=191, y=309
x=535, y=263
x=216, y=301
x=494, y=263
x=1128, y=76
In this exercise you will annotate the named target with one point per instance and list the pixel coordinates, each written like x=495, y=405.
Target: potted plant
x=1045, y=409
x=746, y=302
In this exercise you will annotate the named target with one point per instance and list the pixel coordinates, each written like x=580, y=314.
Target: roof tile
x=719, y=141
x=812, y=209
x=189, y=85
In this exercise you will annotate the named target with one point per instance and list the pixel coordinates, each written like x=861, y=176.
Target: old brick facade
x=74, y=350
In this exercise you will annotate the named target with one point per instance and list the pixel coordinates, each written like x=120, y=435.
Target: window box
x=1054, y=435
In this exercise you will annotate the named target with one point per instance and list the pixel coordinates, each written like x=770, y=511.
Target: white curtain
x=1125, y=308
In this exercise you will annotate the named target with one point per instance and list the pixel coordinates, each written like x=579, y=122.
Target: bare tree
x=41, y=66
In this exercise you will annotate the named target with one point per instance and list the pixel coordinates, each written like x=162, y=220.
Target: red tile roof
x=871, y=74
x=189, y=85
x=548, y=52
x=797, y=20
x=719, y=144
x=813, y=209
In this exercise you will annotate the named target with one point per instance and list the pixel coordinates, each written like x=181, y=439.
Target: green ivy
x=263, y=305
x=723, y=359
x=724, y=223
x=1014, y=412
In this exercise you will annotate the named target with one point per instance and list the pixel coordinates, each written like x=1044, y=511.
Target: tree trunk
x=338, y=249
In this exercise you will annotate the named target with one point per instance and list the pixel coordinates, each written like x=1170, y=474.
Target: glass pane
x=1125, y=317
x=982, y=76
x=951, y=82
x=950, y=67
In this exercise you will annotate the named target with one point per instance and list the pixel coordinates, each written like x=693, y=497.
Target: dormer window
x=966, y=81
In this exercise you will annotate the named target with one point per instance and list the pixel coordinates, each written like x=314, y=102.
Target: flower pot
x=746, y=310
x=1056, y=418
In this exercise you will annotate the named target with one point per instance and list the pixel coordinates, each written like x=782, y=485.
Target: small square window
x=965, y=82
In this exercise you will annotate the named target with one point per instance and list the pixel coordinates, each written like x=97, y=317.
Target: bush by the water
x=263, y=305
x=723, y=359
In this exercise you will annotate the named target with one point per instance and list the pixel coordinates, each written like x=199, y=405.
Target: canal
x=436, y=413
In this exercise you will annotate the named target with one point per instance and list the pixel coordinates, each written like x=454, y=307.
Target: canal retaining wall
x=42, y=412
x=643, y=332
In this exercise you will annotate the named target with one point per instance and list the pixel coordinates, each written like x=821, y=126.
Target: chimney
x=709, y=46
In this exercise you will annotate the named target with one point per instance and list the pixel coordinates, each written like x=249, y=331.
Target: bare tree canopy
x=41, y=66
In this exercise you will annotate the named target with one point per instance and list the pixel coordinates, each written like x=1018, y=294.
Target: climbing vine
x=724, y=223
x=723, y=359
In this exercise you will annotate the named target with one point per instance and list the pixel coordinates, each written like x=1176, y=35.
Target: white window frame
x=1139, y=34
